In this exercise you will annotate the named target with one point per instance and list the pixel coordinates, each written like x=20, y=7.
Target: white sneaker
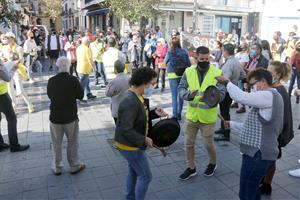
x=295, y=173
x=31, y=81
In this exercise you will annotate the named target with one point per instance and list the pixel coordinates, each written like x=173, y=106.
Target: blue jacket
x=170, y=58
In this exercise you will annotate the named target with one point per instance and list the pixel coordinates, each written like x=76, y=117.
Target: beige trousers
x=207, y=132
x=57, y=133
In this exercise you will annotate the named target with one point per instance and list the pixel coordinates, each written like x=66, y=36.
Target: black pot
x=165, y=132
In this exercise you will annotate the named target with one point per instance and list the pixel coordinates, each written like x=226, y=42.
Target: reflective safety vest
x=3, y=87
x=172, y=75
x=198, y=111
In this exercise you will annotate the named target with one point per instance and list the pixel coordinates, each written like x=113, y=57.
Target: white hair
x=63, y=64
x=85, y=40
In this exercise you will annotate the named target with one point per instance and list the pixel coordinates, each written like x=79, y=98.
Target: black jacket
x=261, y=62
x=63, y=90
x=49, y=42
x=131, y=122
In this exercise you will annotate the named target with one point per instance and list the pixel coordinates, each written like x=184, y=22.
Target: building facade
x=206, y=17
x=87, y=15
x=278, y=15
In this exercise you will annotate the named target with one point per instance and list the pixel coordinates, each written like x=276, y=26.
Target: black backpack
x=179, y=64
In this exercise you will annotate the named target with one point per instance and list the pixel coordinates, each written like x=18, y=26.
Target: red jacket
x=161, y=52
x=295, y=60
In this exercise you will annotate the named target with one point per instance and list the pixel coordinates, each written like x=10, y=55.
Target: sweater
x=261, y=135
x=63, y=90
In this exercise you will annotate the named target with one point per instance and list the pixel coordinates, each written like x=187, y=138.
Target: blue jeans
x=295, y=76
x=100, y=72
x=85, y=83
x=252, y=172
x=177, y=102
x=139, y=175
x=241, y=86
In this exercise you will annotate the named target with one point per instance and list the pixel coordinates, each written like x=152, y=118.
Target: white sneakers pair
x=295, y=172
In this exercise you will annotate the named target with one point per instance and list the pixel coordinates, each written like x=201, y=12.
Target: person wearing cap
x=117, y=87
x=110, y=56
x=63, y=90
x=85, y=66
x=7, y=109
x=232, y=70
x=160, y=66
x=199, y=115
x=31, y=49
x=14, y=53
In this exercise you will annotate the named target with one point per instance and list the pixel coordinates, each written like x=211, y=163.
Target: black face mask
x=297, y=49
x=203, y=65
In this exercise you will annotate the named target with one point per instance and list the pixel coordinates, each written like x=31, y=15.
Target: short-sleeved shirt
x=84, y=55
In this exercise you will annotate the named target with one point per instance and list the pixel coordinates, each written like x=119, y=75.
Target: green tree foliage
x=8, y=14
x=51, y=8
x=134, y=10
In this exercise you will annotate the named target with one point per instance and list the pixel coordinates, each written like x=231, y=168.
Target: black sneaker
x=220, y=131
x=91, y=96
x=19, y=148
x=210, y=170
x=187, y=174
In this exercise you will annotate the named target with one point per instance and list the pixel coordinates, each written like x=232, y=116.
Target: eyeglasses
x=252, y=84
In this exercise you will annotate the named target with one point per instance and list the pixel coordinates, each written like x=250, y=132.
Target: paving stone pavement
x=27, y=175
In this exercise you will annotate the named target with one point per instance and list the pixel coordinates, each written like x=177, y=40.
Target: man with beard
x=199, y=115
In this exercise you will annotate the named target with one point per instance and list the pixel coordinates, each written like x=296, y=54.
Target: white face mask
x=4, y=41
x=254, y=88
x=149, y=90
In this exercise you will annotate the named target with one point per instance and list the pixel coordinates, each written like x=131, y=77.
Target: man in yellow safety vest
x=199, y=115
x=7, y=108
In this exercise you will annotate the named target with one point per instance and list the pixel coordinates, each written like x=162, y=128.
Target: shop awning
x=101, y=11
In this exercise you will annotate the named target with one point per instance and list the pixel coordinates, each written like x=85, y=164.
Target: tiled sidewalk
x=27, y=175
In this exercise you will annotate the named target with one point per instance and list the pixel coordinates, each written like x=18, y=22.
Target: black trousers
x=225, y=112
x=73, y=69
x=161, y=73
x=7, y=109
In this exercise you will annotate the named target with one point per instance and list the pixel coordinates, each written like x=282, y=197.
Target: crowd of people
x=245, y=71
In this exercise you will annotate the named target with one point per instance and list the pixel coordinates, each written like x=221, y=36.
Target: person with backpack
x=280, y=72
x=177, y=60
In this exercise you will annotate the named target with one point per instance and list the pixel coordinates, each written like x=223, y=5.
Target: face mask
x=203, y=65
x=254, y=88
x=253, y=53
x=297, y=49
x=31, y=37
x=4, y=42
x=149, y=90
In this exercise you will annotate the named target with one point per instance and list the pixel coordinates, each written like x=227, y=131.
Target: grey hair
x=63, y=64
x=119, y=66
x=85, y=40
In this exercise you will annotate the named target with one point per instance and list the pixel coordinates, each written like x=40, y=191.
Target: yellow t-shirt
x=84, y=55
x=128, y=148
